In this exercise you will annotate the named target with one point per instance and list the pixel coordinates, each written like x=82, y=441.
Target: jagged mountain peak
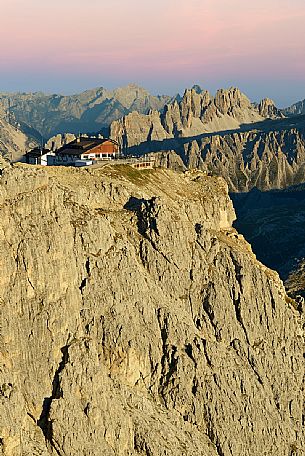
x=197, y=88
x=226, y=99
x=196, y=113
x=268, y=101
x=52, y=114
x=267, y=108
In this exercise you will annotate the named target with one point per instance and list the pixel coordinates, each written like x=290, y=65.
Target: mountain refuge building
x=38, y=156
x=79, y=152
x=87, y=149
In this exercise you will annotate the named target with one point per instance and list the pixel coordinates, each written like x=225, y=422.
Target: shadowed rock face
x=135, y=320
x=273, y=223
x=295, y=109
x=262, y=160
x=266, y=160
x=295, y=283
x=13, y=142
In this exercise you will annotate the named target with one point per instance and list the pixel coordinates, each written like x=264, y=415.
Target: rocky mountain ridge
x=88, y=111
x=135, y=320
x=268, y=110
x=198, y=112
x=265, y=160
x=42, y=116
x=267, y=155
x=296, y=109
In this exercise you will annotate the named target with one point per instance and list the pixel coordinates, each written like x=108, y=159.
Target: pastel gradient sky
x=164, y=45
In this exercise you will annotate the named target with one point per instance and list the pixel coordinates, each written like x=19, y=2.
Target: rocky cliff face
x=266, y=160
x=273, y=223
x=135, y=320
x=295, y=283
x=268, y=110
x=13, y=142
x=88, y=111
x=198, y=112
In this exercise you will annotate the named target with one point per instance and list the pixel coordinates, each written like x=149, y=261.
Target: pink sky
x=69, y=45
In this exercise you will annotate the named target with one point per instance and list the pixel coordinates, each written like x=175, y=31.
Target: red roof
x=80, y=146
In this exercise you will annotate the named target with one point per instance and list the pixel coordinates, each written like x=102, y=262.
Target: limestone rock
x=136, y=128
x=267, y=109
x=266, y=160
x=254, y=159
x=197, y=112
x=13, y=142
x=295, y=284
x=135, y=320
x=88, y=111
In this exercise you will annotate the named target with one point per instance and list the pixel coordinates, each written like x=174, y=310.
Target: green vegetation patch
x=136, y=176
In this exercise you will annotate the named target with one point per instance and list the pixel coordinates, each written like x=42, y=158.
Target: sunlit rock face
x=135, y=320
x=267, y=109
x=196, y=113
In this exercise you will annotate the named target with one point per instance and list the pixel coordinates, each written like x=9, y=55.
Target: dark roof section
x=37, y=152
x=80, y=145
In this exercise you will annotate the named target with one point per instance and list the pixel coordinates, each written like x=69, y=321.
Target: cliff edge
x=136, y=321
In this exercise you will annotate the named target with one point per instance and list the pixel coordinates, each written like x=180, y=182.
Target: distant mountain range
x=89, y=111
x=130, y=114
x=295, y=109
x=94, y=110
x=251, y=145
x=267, y=155
x=198, y=112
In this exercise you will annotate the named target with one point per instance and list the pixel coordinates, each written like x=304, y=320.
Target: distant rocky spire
x=197, y=88
x=267, y=108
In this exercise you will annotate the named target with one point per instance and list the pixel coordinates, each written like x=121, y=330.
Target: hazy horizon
x=165, y=46
x=170, y=92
